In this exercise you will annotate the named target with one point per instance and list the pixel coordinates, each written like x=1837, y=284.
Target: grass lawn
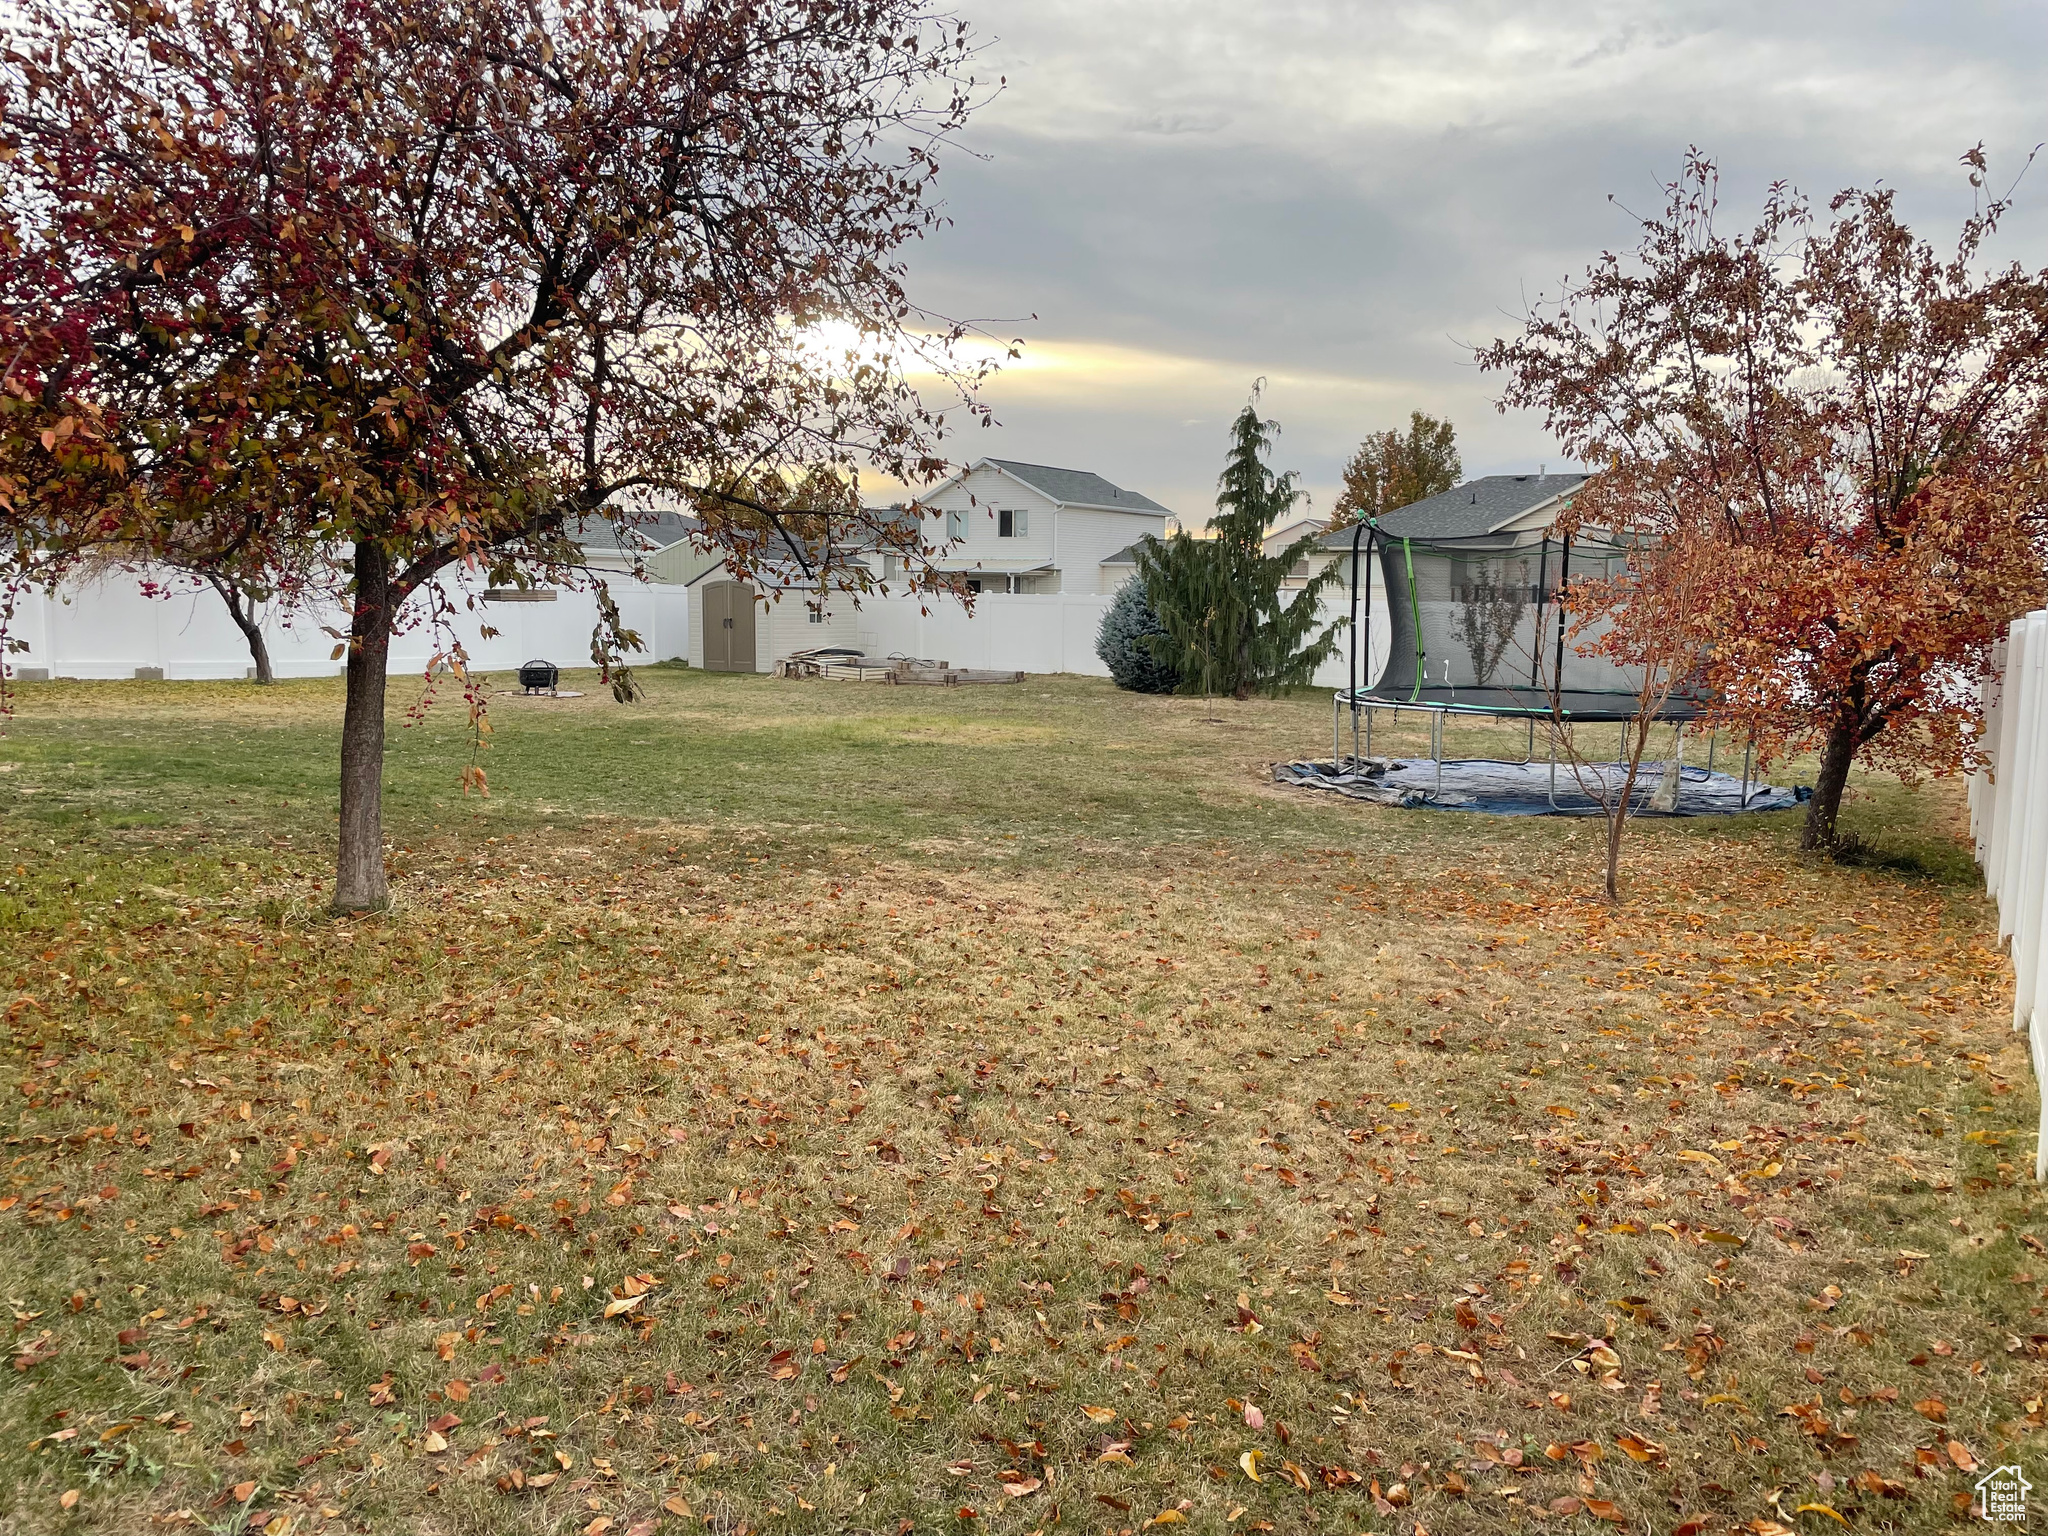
x=823, y=1107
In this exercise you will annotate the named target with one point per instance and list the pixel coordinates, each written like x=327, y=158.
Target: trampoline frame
x=1367, y=537
x=1368, y=704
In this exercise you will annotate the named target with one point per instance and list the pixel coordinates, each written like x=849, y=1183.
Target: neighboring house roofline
x=1128, y=555
x=763, y=579
x=1487, y=505
x=1016, y=470
x=1527, y=512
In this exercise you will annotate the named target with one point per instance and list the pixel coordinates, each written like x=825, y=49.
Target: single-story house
x=609, y=545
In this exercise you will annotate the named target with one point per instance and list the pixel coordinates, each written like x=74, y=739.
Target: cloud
x=1178, y=196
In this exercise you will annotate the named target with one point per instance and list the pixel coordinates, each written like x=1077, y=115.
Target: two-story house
x=1033, y=528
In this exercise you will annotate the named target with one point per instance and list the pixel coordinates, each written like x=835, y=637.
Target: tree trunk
x=1617, y=820
x=259, y=653
x=1826, y=804
x=359, y=884
x=245, y=621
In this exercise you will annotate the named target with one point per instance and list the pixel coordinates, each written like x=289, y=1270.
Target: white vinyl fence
x=2009, y=820
x=1037, y=633
x=107, y=627
x=1054, y=632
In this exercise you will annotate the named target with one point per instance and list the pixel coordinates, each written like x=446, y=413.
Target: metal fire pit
x=539, y=677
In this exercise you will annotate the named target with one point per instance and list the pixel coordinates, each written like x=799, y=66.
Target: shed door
x=728, y=627
x=717, y=642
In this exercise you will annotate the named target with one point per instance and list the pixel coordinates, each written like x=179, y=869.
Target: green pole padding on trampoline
x=1415, y=616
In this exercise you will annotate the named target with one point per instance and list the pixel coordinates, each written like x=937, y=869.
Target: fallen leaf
x=68, y=1497
x=1250, y=1462
x=1960, y=1455
x=1098, y=1415
x=1253, y=1417
x=1821, y=1509
x=1639, y=1449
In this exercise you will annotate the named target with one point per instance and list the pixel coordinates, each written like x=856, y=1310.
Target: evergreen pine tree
x=1230, y=624
x=1121, y=643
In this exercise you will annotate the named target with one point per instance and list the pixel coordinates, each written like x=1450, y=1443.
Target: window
x=817, y=616
x=956, y=524
x=1013, y=524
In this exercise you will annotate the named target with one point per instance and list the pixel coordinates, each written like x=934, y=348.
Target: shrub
x=1121, y=643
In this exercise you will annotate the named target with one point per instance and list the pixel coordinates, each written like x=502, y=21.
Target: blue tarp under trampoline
x=1529, y=789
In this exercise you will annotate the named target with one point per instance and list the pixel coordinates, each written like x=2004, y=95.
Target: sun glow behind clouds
x=1069, y=367
x=1100, y=378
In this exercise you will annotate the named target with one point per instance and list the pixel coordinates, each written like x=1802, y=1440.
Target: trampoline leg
x=1437, y=749
x=1529, y=747
x=1713, y=740
x=1553, y=767
x=1354, y=735
x=1747, y=749
x=1337, y=731
x=1368, y=733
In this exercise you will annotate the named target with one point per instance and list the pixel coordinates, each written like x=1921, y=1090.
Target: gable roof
x=1075, y=487
x=635, y=531
x=1478, y=506
x=897, y=517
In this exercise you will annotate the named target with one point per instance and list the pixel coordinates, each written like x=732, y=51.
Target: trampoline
x=1478, y=626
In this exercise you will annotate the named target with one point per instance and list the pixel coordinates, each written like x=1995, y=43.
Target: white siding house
x=1034, y=529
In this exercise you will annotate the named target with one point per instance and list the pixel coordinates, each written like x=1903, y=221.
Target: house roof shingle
x=1078, y=487
x=643, y=532
x=1477, y=507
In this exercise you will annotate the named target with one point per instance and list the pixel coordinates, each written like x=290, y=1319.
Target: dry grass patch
x=637, y=1177
x=814, y=1108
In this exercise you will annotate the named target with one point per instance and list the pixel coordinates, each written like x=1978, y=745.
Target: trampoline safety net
x=1475, y=624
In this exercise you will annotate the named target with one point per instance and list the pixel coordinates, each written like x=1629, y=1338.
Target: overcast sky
x=1179, y=196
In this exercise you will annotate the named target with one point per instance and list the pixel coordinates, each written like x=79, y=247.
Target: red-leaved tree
x=1847, y=426
x=420, y=283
